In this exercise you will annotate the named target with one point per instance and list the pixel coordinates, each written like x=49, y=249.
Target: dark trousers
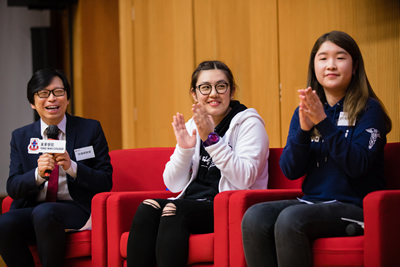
x=156, y=238
x=43, y=225
x=280, y=233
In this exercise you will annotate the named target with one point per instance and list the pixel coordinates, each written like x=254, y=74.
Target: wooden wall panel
x=158, y=70
x=243, y=34
x=374, y=24
x=134, y=58
x=97, y=67
x=127, y=73
x=77, y=61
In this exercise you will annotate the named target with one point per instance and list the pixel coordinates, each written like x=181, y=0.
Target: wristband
x=213, y=138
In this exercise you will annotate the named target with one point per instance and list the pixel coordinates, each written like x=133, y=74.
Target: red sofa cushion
x=339, y=251
x=201, y=248
x=123, y=244
x=79, y=245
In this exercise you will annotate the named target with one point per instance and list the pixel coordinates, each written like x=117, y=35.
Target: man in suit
x=84, y=169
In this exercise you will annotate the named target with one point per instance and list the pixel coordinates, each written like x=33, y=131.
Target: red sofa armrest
x=121, y=207
x=6, y=204
x=238, y=204
x=221, y=228
x=99, y=229
x=381, y=232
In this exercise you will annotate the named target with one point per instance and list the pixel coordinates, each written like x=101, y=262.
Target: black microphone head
x=52, y=132
x=354, y=229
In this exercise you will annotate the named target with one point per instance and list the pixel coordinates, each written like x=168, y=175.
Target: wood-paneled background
x=133, y=59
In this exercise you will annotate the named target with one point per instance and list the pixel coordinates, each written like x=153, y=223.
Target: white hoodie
x=241, y=155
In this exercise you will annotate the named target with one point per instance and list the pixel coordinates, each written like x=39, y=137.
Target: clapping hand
x=204, y=121
x=311, y=110
x=183, y=138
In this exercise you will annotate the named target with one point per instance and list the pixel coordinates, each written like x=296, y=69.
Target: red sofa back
x=277, y=179
x=392, y=165
x=137, y=168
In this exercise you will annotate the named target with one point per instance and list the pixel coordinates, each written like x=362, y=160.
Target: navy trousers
x=43, y=225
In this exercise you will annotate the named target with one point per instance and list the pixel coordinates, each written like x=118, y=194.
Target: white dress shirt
x=62, y=193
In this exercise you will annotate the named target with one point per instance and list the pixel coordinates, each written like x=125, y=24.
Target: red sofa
x=377, y=247
x=78, y=250
x=131, y=166
x=133, y=170
x=204, y=249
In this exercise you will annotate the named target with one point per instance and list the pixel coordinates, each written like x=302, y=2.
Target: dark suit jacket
x=93, y=175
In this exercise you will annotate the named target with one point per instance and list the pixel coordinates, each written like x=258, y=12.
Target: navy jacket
x=344, y=163
x=93, y=175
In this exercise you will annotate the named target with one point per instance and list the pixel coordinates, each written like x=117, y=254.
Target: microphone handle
x=48, y=172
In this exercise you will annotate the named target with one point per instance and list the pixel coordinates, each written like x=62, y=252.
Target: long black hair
x=359, y=89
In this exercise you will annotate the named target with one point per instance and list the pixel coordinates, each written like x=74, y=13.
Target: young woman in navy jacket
x=336, y=138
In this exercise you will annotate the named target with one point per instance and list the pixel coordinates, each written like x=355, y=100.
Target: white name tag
x=343, y=121
x=37, y=146
x=84, y=153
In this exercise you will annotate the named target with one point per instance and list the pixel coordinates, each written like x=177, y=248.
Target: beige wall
x=136, y=58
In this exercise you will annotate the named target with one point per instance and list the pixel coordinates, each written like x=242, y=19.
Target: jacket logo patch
x=315, y=139
x=374, y=135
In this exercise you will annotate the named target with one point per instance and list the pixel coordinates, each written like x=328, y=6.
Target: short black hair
x=41, y=79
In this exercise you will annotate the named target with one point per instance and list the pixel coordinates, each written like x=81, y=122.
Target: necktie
x=52, y=185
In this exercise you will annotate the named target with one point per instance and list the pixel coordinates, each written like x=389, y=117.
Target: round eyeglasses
x=46, y=93
x=205, y=89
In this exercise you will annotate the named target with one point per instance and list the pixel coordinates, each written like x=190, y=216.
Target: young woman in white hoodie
x=224, y=146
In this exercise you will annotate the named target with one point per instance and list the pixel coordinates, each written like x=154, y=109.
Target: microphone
x=354, y=229
x=52, y=134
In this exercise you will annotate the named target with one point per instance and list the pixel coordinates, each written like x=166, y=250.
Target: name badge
x=37, y=146
x=84, y=153
x=343, y=121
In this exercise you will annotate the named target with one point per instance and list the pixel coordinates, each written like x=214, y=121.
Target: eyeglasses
x=46, y=93
x=205, y=89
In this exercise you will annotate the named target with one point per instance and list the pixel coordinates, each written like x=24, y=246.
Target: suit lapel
x=36, y=129
x=36, y=134
x=70, y=133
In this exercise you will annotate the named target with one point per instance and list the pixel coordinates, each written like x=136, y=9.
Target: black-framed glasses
x=46, y=93
x=205, y=89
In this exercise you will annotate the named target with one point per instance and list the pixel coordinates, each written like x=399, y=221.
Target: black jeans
x=163, y=238
x=280, y=233
x=43, y=225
